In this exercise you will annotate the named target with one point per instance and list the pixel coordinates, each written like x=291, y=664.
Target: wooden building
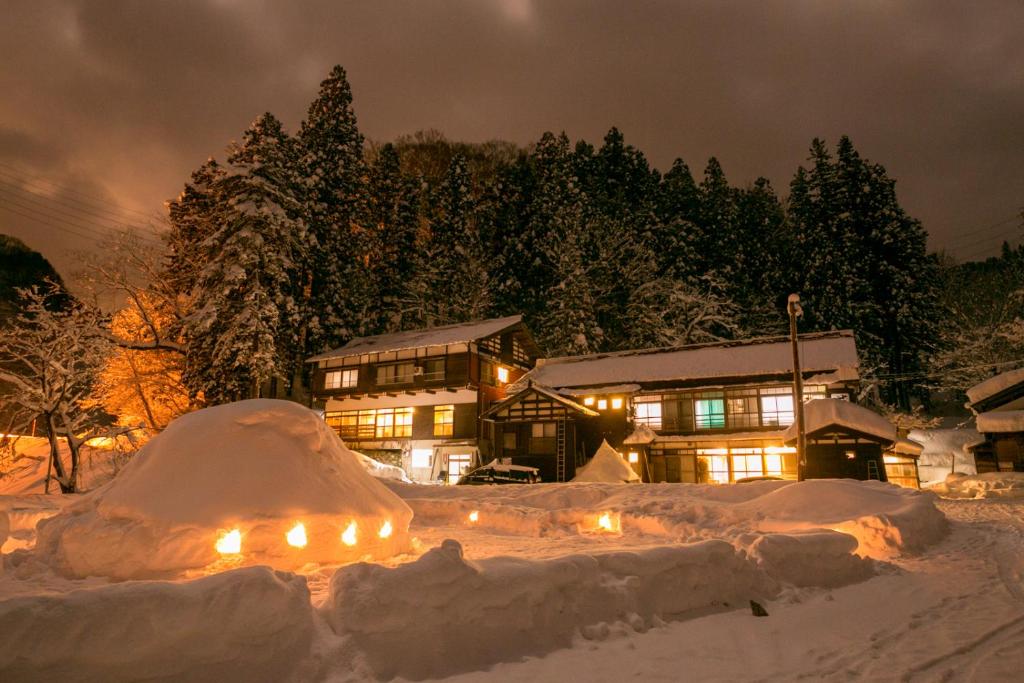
x=415, y=398
x=699, y=413
x=998, y=404
x=901, y=463
x=843, y=440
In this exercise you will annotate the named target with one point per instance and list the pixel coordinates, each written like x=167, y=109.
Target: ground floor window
x=713, y=466
x=365, y=425
x=902, y=471
x=747, y=462
x=458, y=464
x=721, y=465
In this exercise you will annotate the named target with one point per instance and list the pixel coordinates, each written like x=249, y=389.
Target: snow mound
x=235, y=481
x=812, y=558
x=944, y=450
x=988, y=485
x=469, y=615
x=251, y=624
x=381, y=470
x=606, y=466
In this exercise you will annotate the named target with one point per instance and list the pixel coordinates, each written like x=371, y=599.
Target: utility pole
x=795, y=311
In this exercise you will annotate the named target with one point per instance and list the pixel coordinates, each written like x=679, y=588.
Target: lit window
x=850, y=455
x=503, y=375
x=602, y=404
x=421, y=457
x=648, y=413
x=444, y=420
x=746, y=462
x=713, y=466
x=634, y=457
x=589, y=401
x=388, y=422
x=341, y=379
x=616, y=404
x=710, y=413
x=777, y=407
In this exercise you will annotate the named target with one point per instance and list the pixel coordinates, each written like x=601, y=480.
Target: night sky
x=106, y=107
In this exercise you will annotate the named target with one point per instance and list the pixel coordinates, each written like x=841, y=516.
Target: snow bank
x=380, y=470
x=23, y=513
x=443, y=614
x=606, y=466
x=813, y=558
x=27, y=473
x=988, y=485
x=826, y=412
x=1001, y=421
x=944, y=450
x=251, y=624
x=246, y=473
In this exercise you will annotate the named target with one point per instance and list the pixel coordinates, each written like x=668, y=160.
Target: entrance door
x=458, y=464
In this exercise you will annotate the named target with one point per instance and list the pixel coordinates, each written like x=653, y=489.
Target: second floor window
x=433, y=369
x=341, y=379
x=777, y=407
x=649, y=413
x=399, y=373
x=709, y=410
x=444, y=420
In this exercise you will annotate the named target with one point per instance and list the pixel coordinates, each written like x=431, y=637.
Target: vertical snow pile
x=607, y=466
x=252, y=482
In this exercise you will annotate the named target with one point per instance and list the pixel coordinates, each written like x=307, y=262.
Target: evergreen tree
x=393, y=216
x=243, y=329
x=338, y=277
x=192, y=223
x=677, y=235
x=717, y=219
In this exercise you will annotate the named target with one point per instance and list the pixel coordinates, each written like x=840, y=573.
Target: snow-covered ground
x=579, y=581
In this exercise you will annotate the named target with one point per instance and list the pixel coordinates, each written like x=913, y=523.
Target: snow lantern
x=252, y=482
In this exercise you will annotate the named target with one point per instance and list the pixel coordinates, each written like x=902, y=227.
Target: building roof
x=824, y=352
x=543, y=391
x=461, y=333
x=995, y=385
x=907, y=447
x=1001, y=421
x=823, y=413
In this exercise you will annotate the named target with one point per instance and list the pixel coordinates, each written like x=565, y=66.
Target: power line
x=959, y=239
x=54, y=225
x=47, y=214
x=70, y=202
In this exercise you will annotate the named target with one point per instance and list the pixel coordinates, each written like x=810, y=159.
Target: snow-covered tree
x=49, y=362
x=341, y=296
x=668, y=312
x=245, y=323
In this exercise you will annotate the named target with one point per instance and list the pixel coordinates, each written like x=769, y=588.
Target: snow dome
x=253, y=482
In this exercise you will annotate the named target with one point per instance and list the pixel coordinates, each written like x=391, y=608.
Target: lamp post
x=794, y=309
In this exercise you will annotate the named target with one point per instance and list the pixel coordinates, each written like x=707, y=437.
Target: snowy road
x=954, y=613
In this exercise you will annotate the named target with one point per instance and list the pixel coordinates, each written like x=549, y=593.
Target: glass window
x=589, y=401
x=422, y=457
x=433, y=369
x=648, y=413
x=389, y=422
x=813, y=391
x=742, y=407
x=616, y=404
x=709, y=411
x=712, y=466
x=444, y=420
x=602, y=404
x=341, y=379
x=398, y=373
x=777, y=407
x=746, y=462
x=542, y=437
x=502, y=374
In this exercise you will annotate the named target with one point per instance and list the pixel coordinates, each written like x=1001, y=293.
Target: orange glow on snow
x=385, y=529
x=348, y=536
x=230, y=543
x=474, y=516
x=608, y=522
x=297, y=536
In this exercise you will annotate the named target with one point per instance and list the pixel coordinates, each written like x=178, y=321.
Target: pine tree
x=677, y=234
x=338, y=277
x=393, y=216
x=191, y=219
x=243, y=330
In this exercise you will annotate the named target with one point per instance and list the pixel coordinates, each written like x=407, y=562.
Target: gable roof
x=543, y=391
x=995, y=385
x=460, y=333
x=823, y=352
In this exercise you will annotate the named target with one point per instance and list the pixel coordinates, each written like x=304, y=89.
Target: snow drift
x=233, y=480
x=988, y=485
x=606, y=466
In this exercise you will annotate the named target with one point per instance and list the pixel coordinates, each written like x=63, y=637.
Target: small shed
x=901, y=463
x=844, y=440
x=998, y=403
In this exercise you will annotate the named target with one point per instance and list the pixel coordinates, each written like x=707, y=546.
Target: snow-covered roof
x=613, y=389
x=823, y=413
x=499, y=466
x=994, y=385
x=907, y=447
x=543, y=391
x=1001, y=421
x=765, y=435
x=819, y=353
x=461, y=333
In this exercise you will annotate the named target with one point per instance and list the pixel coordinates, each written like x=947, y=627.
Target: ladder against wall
x=873, y=469
x=560, y=451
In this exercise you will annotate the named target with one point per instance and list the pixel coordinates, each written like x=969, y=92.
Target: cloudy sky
x=107, y=106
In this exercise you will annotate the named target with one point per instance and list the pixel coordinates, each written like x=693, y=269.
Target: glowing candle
x=230, y=543
x=385, y=529
x=297, y=536
x=474, y=516
x=605, y=522
x=348, y=537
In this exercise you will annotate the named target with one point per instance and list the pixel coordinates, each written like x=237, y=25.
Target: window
x=341, y=379
x=589, y=401
x=542, y=437
x=602, y=404
x=813, y=391
x=433, y=369
x=444, y=420
x=634, y=457
x=712, y=466
x=502, y=375
x=616, y=404
x=777, y=407
x=742, y=405
x=746, y=462
x=392, y=422
x=709, y=408
x=508, y=440
x=398, y=373
x=422, y=457
x=364, y=425
x=648, y=413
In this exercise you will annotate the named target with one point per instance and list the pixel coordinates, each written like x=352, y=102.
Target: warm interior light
x=385, y=529
x=588, y=401
x=297, y=536
x=503, y=375
x=348, y=536
x=602, y=404
x=474, y=516
x=616, y=404
x=230, y=542
x=634, y=457
x=605, y=522
x=850, y=455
